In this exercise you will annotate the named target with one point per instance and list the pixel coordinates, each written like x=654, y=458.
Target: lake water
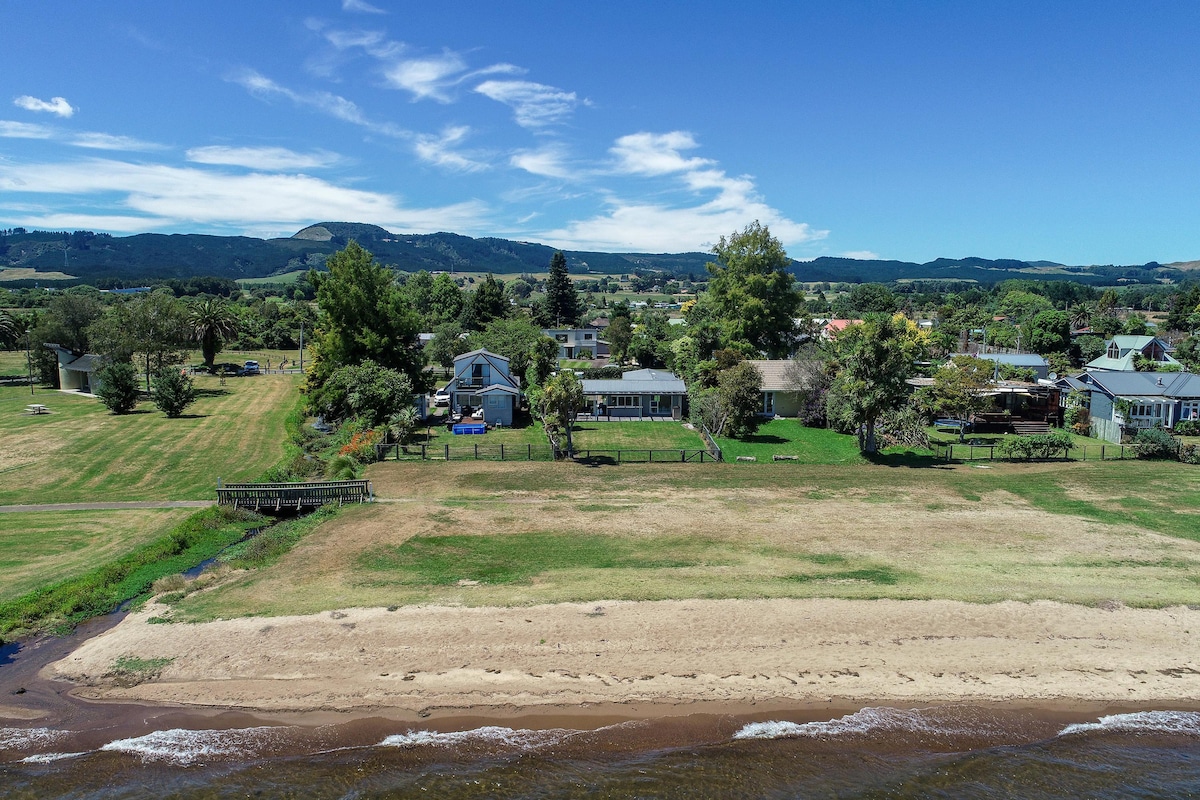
x=952, y=752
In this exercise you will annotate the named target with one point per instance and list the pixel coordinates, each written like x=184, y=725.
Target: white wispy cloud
x=326, y=102
x=439, y=149
x=91, y=140
x=360, y=7
x=426, y=78
x=549, y=161
x=633, y=224
x=24, y=130
x=865, y=255
x=166, y=196
x=108, y=141
x=263, y=158
x=534, y=105
x=656, y=153
x=55, y=105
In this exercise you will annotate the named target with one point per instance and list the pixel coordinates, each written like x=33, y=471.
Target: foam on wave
x=1184, y=723
x=867, y=721
x=185, y=747
x=46, y=758
x=24, y=738
x=489, y=735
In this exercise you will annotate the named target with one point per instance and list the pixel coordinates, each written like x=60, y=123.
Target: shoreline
x=619, y=661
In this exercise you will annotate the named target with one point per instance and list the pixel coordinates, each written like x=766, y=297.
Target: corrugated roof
x=1015, y=359
x=1146, y=384
x=642, y=381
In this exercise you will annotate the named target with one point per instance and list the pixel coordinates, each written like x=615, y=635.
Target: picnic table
x=37, y=408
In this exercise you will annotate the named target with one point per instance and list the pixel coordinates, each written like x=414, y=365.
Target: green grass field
x=637, y=435
x=12, y=362
x=79, y=452
x=38, y=548
x=479, y=533
x=788, y=437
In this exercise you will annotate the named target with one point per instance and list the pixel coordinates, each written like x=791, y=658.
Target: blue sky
x=1065, y=131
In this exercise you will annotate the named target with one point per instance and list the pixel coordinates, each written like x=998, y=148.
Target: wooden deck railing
x=293, y=496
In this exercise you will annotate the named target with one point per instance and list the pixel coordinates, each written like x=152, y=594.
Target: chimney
x=1160, y=381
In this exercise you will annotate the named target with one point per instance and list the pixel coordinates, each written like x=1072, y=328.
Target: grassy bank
x=100, y=590
x=39, y=548
x=527, y=533
x=79, y=452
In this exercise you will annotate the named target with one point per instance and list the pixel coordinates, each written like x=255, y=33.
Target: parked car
x=441, y=397
x=250, y=368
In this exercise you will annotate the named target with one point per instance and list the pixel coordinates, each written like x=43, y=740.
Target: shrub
x=1190, y=454
x=1187, y=427
x=118, y=388
x=1028, y=448
x=173, y=391
x=1154, y=443
x=361, y=446
x=342, y=468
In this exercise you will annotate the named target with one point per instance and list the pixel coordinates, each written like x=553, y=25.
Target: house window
x=495, y=401
x=1113, y=350
x=480, y=374
x=624, y=401
x=769, y=403
x=587, y=336
x=561, y=338
x=1189, y=409
x=655, y=402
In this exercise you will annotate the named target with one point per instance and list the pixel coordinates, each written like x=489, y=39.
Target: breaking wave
x=489, y=735
x=25, y=738
x=46, y=758
x=186, y=747
x=868, y=721
x=1184, y=723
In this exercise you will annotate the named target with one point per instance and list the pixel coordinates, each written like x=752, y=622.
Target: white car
x=441, y=398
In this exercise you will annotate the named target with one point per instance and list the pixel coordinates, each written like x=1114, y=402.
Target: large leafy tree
x=960, y=389
x=485, y=304
x=559, y=403
x=8, y=329
x=363, y=316
x=874, y=361
x=750, y=293
x=1049, y=332
x=367, y=390
x=562, y=301
x=213, y=322
x=445, y=302
x=153, y=327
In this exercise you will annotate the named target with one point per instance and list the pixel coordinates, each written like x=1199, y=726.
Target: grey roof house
x=1156, y=398
x=1121, y=351
x=76, y=371
x=640, y=394
x=482, y=381
x=1039, y=365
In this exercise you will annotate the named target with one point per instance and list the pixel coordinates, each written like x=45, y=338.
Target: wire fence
x=987, y=452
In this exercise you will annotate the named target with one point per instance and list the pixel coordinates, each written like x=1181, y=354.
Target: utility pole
x=29, y=359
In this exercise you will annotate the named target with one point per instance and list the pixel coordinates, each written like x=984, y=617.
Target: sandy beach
x=422, y=661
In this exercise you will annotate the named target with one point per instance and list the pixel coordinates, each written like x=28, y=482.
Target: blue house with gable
x=482, y=381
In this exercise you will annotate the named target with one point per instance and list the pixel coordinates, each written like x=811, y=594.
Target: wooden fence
x=472, y=452
x=710, y=444
x=987, y=452
x=532, y=452
x=293, y=496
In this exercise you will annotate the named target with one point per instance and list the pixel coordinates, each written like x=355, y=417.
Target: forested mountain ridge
x=150, y=256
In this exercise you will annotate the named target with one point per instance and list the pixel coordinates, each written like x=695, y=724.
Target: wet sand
x=627, y=660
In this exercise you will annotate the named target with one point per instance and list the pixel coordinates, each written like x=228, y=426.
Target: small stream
x=196, y=571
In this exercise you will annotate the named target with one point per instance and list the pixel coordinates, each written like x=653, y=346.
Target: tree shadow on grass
x=192, y=416
x=764, y=438
x=211, y=392
x=907, y=459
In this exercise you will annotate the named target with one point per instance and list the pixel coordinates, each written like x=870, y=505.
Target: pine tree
x=562, y=301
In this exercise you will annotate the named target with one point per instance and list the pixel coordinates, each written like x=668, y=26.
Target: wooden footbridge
x=293, y=496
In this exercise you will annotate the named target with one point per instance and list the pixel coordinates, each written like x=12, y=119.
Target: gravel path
x=107, y=506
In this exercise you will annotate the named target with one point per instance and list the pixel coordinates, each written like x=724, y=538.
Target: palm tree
x=212, y=321
x=1081, y=316
x=8, y=330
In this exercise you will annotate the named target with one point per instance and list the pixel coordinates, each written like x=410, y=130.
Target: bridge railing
x=280, y=496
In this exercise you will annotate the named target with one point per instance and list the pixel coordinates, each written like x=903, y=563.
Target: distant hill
x=150, y=256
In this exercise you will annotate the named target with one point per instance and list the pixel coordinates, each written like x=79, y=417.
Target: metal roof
x=1147, y=384
x=641, y=381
